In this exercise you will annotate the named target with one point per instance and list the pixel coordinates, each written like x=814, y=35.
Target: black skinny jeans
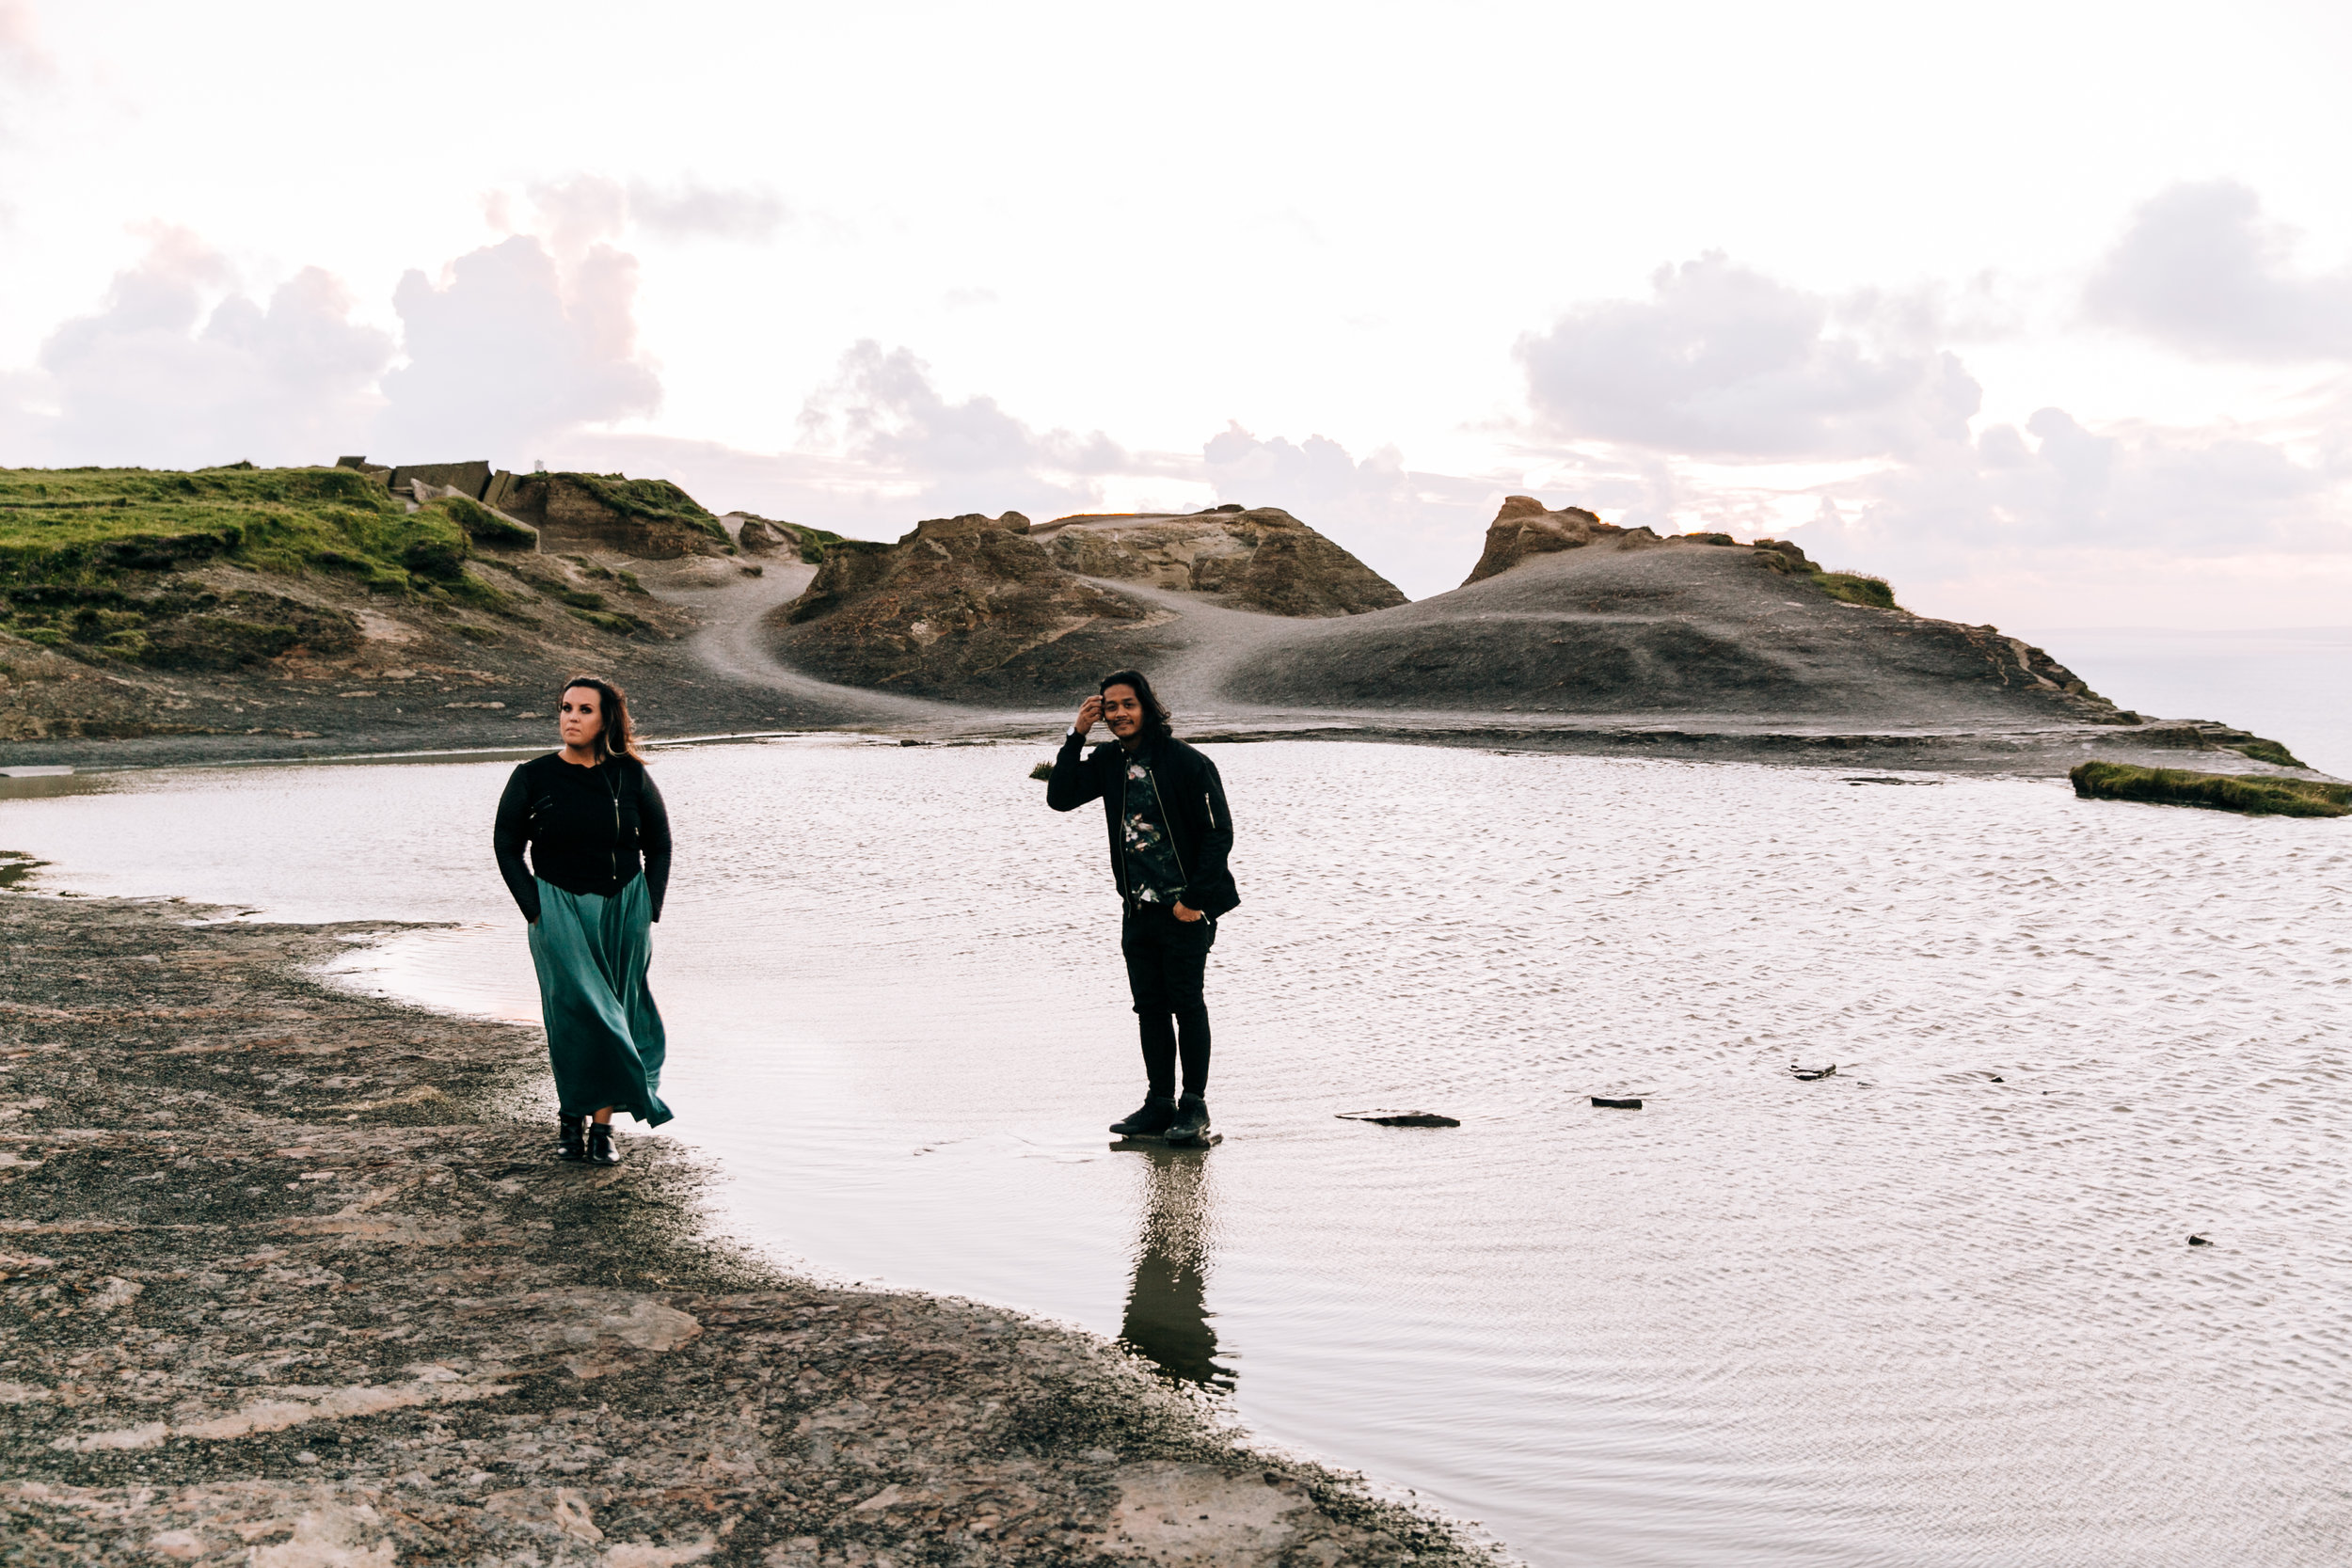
x=1167, y=960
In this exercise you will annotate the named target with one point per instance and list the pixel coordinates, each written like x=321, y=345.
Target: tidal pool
x=1939, y=1307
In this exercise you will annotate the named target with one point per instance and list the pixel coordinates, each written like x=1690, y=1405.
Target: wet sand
x=290, y=1279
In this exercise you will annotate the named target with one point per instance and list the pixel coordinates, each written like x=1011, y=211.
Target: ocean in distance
x=1940, y=1307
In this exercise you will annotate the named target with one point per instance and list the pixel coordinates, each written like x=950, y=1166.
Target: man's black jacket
x=1191, y=806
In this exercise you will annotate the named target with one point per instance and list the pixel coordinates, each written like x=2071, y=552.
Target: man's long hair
x=1157, y=719
x=618, y=738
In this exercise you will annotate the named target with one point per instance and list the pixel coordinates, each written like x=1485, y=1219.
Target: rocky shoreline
x=291, y=1280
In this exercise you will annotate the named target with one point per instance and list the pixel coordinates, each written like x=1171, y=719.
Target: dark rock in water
x=2200, y=1240
x=1611, y=1102
x=1807, y=1074
x=1401, y=1118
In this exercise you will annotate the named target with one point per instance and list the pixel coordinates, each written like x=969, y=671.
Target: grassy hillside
x=99, y=562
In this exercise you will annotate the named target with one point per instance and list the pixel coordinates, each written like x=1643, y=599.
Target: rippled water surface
x=1938, y=1308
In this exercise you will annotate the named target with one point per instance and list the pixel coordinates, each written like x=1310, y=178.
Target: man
x=1169, y=835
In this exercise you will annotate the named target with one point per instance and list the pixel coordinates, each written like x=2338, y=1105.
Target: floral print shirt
x=1154, y=875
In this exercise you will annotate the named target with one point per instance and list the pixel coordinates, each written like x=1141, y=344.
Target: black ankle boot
x=600, y=1149
x=1191, y=1125
x=1149, y=1120
x=571, y=1137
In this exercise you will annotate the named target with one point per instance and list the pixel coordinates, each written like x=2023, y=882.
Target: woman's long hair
x=1157, y=719
x=618, y=738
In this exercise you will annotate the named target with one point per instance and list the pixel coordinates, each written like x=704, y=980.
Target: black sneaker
x=1191, y=1125
x=1149, y=1120
x=600, y=1148
x=571, y=1137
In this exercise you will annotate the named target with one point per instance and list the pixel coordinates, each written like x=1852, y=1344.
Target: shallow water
x=1937, y=1309
x=2285, y=683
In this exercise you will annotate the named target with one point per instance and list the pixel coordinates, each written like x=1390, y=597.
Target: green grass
x=2267, y=751
x=90, y=559
x=654, y=499
x=482, y=523
x=813, y=543
x=1856, y=588
x=617, y=621
x=2177, y=787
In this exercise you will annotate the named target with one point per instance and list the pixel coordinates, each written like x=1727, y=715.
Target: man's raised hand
x=1089, y=714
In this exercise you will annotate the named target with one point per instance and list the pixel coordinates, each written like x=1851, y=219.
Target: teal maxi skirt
x=604, y=1037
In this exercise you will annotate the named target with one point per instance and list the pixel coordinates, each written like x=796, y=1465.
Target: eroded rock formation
x=979, y=606
x=1525, y=527
x=650, y=518
x=1567, y=614
x=1256, y=558
x=946, y=608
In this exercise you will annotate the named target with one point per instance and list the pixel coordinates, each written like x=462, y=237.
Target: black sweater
x=1192, y=800
x=587, y=829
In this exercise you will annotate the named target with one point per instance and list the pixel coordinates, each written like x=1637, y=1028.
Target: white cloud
x=1730, y=401
x=690, y=209
x=881, y=413
x=177, y=366
x=508, y=351
x=573, y=214
x=2200, y=271
x=1723, y=363
x=22, y=58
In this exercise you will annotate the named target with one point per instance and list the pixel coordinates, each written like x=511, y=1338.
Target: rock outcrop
x=1569, y=615
x=1524, y=529
x=1565, y=616
x=1255, y=558
x=978, y=607
x=758, y=536
x=650, y=518
x=952, y=608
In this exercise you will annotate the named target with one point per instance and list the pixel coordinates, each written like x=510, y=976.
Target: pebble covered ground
x=289, y=1278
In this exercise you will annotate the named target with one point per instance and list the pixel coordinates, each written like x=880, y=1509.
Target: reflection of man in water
x=1168, y=1313
x=1169, y=835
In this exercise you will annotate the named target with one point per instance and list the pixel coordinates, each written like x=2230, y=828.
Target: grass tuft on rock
x=2267, y=751
x=1857, y=588
x=813, y=543
x=2178, y=786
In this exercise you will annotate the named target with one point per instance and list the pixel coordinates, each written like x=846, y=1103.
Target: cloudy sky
x=2043, y=311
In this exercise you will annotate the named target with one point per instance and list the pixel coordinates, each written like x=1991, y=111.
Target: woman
x=589, y=811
